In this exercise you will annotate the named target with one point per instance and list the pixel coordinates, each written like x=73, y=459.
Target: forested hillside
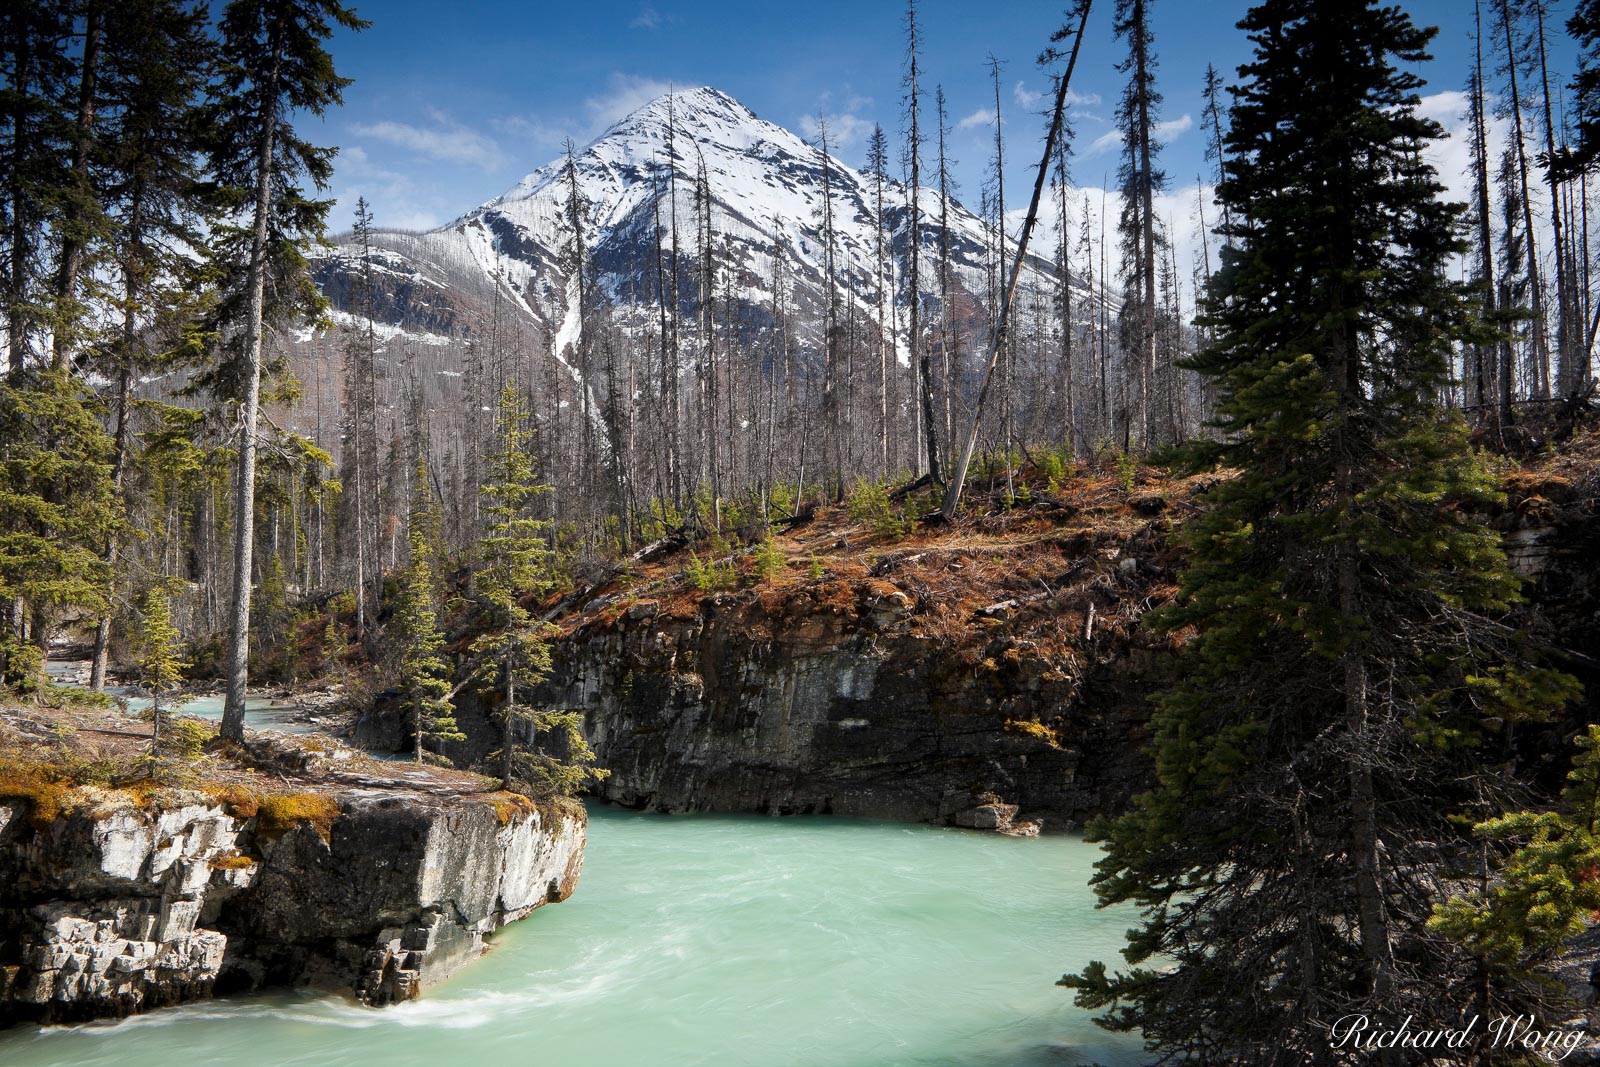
x=706, y=468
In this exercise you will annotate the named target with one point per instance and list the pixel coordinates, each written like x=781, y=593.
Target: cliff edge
x=305, y=864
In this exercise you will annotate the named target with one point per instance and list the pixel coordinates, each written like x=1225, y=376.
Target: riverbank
x=714, y=939
x=295, y=861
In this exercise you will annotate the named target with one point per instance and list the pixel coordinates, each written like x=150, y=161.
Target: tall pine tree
x=273, y=64
x=1342, y=678
x=154, y=70
x=514, y=651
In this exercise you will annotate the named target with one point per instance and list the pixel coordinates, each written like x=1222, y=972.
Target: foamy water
x=713, y=940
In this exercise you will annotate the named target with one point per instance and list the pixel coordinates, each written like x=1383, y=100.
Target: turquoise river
x=714, y=940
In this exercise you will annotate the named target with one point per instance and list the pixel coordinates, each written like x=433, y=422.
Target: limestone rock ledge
x=113, y=908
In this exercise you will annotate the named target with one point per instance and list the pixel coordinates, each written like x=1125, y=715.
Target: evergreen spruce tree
x=1341, y=678
x=423, y=670
x=161, y=665
x=1584, y=26
x=56, y=513
x=153, y=71
x=515, y=649
x=37, y=89
x=272, y=64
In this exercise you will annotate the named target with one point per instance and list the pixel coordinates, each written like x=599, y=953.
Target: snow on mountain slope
x=766, y=185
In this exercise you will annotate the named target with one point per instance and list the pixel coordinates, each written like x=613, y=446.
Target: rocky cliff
x=375, y=883
x=992, y=674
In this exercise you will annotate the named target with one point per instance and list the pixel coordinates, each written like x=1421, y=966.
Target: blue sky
x=452, y=104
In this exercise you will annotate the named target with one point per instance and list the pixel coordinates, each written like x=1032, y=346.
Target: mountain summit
x=638, y=182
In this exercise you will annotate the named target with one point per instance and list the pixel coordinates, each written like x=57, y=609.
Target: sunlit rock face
x=112, y=908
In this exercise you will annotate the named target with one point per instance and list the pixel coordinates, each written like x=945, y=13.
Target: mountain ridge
x=499, y=268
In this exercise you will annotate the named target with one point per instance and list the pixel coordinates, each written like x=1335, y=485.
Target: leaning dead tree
x=958, y=477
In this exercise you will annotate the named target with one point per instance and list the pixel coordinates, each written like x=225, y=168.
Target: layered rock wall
x=113, y=908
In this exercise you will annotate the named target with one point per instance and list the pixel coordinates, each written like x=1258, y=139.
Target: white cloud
x=624, y=94
x=647, y=19
x=1166, y=131
x=1029, y=99
x=445, y=139
x=981, y=117
x=1452, y=157
x=1100, y=144
x=843, y=130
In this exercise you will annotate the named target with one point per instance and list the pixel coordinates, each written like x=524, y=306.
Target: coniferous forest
x=1254, y=549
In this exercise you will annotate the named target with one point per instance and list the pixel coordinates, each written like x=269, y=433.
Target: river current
x=715, y=940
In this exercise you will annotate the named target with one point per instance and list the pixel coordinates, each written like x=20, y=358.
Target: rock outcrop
x=858, y=712
x=993, y=679
x=113, y=907
x=992, y=676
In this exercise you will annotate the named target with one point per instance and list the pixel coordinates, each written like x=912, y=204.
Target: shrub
x=663, y=516
x=1036, y=730
x=781, y=500
x=709, y=576
x=770, y=558
x=1127, y=471
x=563, y=765
x=187, y=738
x=869, y=504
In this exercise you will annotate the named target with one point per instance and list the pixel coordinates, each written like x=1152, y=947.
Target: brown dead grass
x=1056, y=554
x=281, y=812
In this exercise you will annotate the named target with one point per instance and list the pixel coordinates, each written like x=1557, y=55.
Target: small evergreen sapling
x=1546, y=888
x=515, y=649
x=424, y=673
x=161, y=666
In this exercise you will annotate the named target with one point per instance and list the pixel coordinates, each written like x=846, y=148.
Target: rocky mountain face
x=501, y=274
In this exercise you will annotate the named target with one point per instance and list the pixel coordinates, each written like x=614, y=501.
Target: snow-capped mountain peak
x=637, y=180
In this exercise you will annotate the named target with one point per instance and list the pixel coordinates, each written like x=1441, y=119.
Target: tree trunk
x=952, y=496
x=1568, y=376
x=102, y=633
x=1372, y=922
x=74, y=226
x=1147, y=339
x=508, y=745
x=1541, y=350
x=919, y=351
x=1488, y=372
x=238, y=677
